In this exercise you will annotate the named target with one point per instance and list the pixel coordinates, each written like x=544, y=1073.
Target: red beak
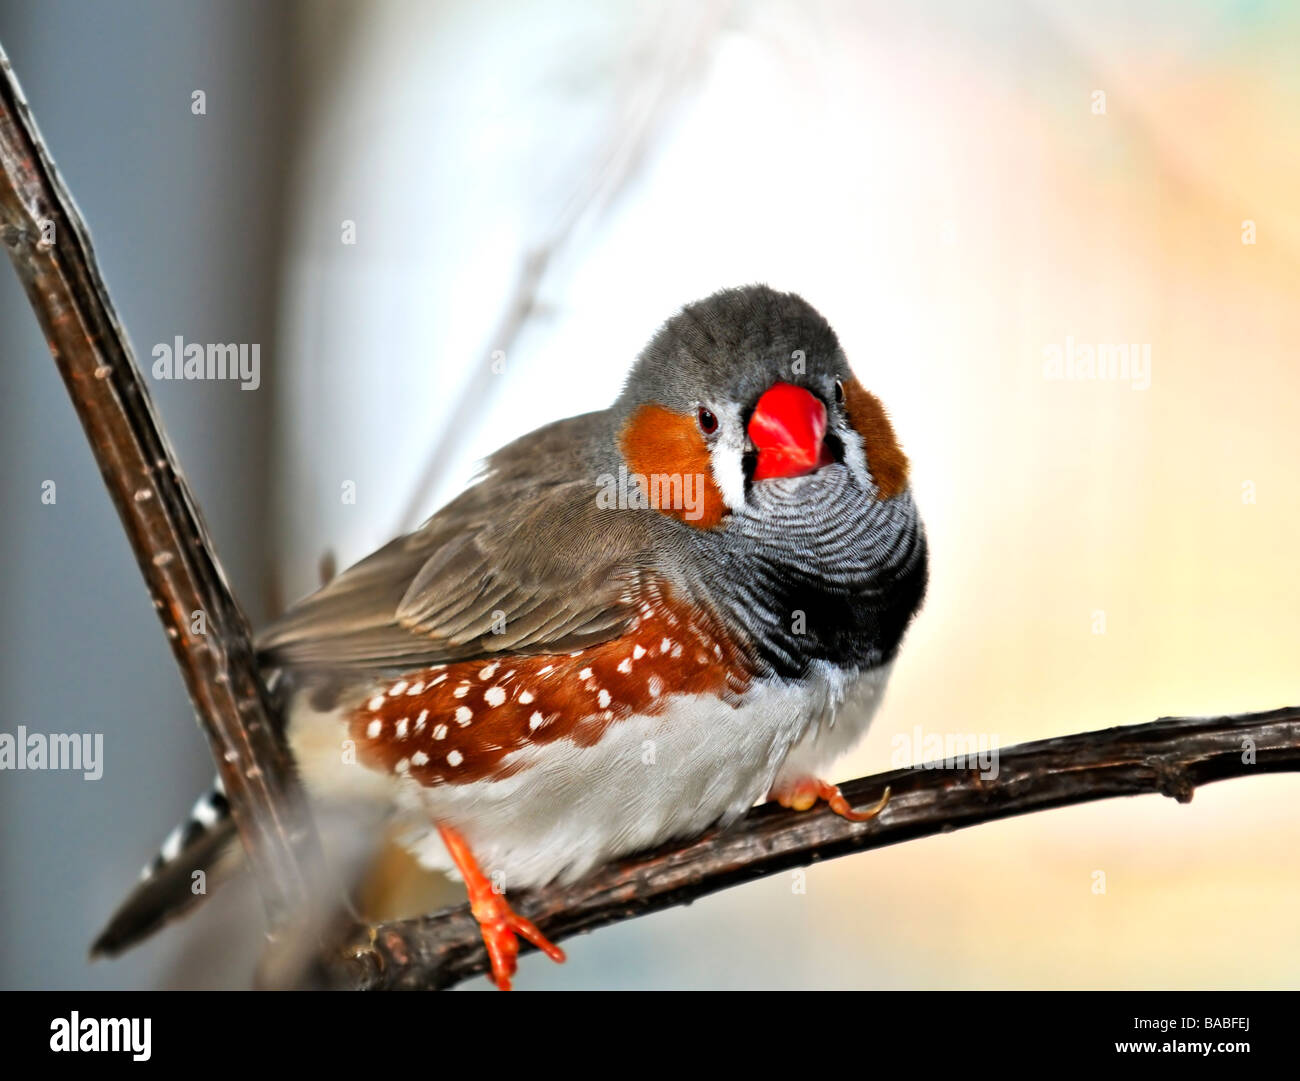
x=789, y=429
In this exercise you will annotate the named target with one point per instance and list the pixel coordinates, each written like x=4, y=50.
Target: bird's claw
x=502, y=927
x=499, y=924
x=802, y=795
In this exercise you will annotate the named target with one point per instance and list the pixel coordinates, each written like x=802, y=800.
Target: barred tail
x=168, y=885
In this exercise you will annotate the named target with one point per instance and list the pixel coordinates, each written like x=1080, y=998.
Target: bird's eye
x=839, y=393
x=708, y=422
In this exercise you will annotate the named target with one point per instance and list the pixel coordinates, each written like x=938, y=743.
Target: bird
x=634, y=625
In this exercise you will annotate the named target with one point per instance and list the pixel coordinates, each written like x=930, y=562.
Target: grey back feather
x=523, y=561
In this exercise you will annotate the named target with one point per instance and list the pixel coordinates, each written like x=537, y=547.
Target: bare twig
x=676, y=56
x=52, y=254
x=50, y=248
x=1171, y=756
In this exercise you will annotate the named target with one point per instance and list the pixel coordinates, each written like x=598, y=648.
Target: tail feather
x=169, y=885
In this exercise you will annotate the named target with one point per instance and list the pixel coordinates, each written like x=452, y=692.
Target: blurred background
x=448, y=223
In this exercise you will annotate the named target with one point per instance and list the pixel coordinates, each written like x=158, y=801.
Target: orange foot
x=498, y=922
x=805, y=792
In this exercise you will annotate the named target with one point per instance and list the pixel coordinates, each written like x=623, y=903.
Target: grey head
x=819, y=561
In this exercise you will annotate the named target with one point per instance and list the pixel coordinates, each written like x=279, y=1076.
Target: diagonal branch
x=51, y=251
x=1171, y=756
x=681, y=47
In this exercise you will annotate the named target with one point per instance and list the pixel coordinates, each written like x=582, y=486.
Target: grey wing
x=516, y=564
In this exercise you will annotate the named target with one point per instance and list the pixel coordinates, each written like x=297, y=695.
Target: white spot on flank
x=625, y=665
x=461, y=691
x=415, y=688
x=577, y=653
x=401, y=727
x=464, y=715
x=525, y=697
x=494, y=696
x=488, y=672
x=455, y=758
x=665, y=645
x=439, y=679
x=638, y=651
x=677, y=650
x=585, y=674
x=403, y=764
x=535, y=721
x=398, y=687
x=543, y=671
x=419, y=721
x=603, y=698
x=655, y=686
x=374, y=728
x=419, y=758
x=376, y=703
x=440, y=731
x=717, y=651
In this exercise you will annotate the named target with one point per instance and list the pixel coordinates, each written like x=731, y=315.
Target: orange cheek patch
x=667, y=455
x=457, y=723
x=885, y=458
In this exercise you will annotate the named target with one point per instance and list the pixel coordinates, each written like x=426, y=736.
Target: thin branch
x=1171, y=756
x=51, y=251
x=678, y=55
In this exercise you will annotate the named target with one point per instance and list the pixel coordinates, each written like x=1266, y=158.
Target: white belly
x=698, y=763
